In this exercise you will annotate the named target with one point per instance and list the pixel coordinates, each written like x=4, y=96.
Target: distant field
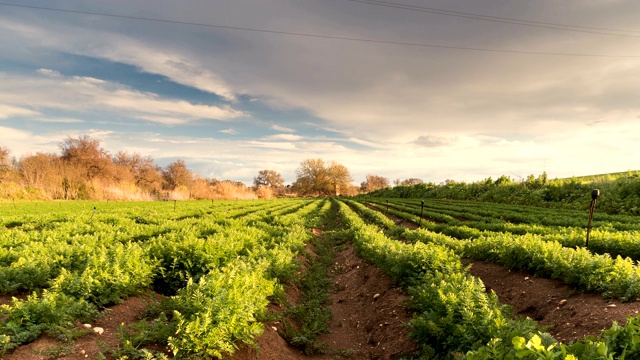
x=603, y=177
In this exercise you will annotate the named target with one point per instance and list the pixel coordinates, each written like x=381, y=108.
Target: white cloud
x=85, y=94
x=9, y=111
x=229, y=131
x=124, y=49
x=284, y=137
x=434, y=141
x=281, y=128
x=49, y=73
x=58, y=120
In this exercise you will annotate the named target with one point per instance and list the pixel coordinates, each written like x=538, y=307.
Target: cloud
x=365, y=142
x=89, y=95
x=229, y=131
x=161, y=60
x=421, y=112
x=281, y=128
x=9, y=111
x=58, y=120
x=284, y=137
x=434, y=141
x=49, y=73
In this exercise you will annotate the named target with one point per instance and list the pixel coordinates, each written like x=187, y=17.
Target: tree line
x=85, y=170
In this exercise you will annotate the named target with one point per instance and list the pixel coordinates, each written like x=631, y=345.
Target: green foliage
x=111, y=274
x=456, y=318
x=620, y=193
x=453, y=312
x=220, y=310
x=24, y=320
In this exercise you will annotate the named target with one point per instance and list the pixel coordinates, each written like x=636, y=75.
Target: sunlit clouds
x=233, y=102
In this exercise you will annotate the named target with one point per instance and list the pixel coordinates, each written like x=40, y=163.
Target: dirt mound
x=269, y=346
x=570, y=315
x=368, y=312
x=87, y=346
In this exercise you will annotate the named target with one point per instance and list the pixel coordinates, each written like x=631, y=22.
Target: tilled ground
x=568, y=314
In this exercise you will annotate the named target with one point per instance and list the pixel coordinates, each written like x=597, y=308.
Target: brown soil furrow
x=570, y=315
x=368, y=317
x=87, y=346
x=368, y=312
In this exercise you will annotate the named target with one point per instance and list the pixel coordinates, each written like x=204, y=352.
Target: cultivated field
x=201, y=279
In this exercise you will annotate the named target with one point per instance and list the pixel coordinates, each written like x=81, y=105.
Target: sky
x=426, y=89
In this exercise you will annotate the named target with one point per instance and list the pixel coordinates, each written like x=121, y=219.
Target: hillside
x=619, y=192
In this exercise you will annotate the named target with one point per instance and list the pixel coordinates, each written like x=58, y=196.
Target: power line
x=317, y=36
x=505, y=20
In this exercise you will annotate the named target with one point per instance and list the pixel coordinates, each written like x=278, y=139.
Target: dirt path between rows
x=368, y=318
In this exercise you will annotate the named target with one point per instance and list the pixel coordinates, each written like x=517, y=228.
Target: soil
x=368, y=312
x=87, y=346
x=568, y=314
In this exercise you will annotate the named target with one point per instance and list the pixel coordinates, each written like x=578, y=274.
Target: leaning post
x=594, y=196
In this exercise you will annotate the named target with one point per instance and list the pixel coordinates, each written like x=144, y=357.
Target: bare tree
x=38, y=169
x=5, y=163
x=373, y=183
x=315, y=177
x=268, y=178
x=339, y=178
x=411, y=181
x=140, y=169
x=176, y=174
x=86, y=154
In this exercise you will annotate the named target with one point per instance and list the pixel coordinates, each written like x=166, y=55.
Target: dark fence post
x=594, y=196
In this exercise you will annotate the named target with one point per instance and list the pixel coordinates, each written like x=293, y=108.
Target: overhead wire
x=318, y=36
x=506, y=20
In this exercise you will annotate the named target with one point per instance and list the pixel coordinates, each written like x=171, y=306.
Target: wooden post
x=594, y=196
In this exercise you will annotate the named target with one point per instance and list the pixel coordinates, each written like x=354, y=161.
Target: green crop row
x=603, y=240
x=200, y=255
x=518, y=214
x=541, y=255
x=455, y=317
